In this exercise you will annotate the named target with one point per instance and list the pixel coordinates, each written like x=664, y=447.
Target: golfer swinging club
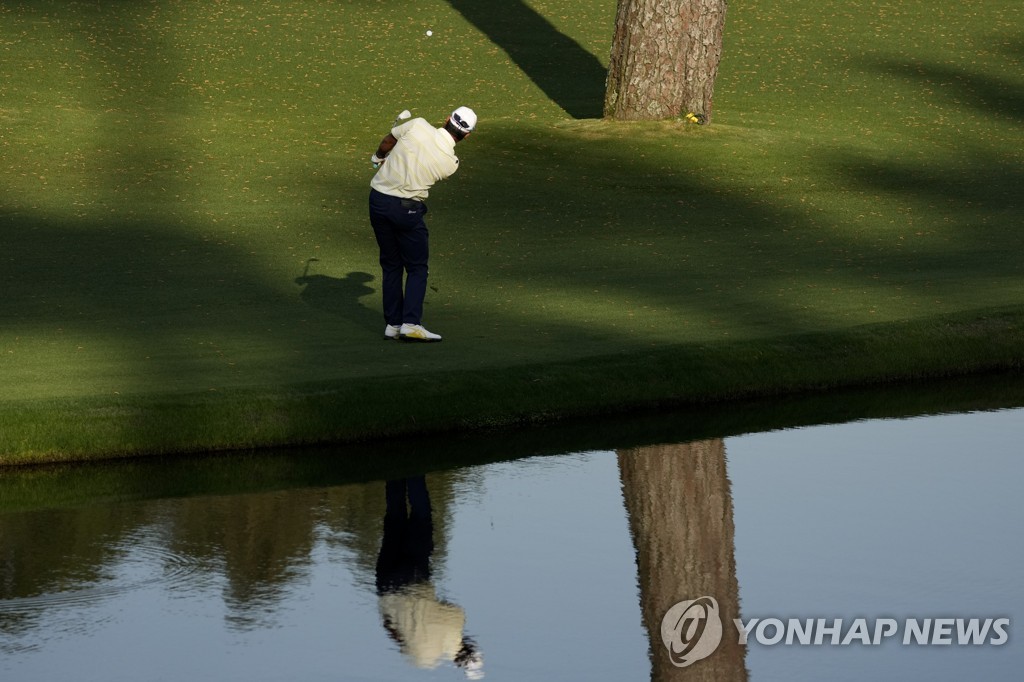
x=409, y=160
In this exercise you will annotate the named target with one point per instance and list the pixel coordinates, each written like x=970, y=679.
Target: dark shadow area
x=128, y=277
x=340, y=296
x=588, y=238
x=567, y=73
x=698, y=249
x=992, y=185
x=960, y=89
x=977, y=183
x=142, y=284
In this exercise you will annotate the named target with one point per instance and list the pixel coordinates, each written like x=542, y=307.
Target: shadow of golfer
x=427, y=629
x=339, y=295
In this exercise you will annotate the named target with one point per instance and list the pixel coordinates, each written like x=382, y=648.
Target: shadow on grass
x=141, y=282
x=977, y=186
x=567, y=226
x=998, y=97
x=149, y=284
x=568, y=74
x=713, y=257
x=340, y=296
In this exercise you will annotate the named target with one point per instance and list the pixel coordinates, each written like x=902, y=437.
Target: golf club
x=305, y=270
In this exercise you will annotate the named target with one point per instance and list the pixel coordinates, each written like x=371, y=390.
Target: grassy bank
x=62, y=486
x=528, y=395
x=187, y=263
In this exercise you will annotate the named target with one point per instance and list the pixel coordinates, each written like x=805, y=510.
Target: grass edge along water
x=162, y=189
x=354, y=411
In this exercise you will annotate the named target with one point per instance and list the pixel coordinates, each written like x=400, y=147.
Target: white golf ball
x=430, y=33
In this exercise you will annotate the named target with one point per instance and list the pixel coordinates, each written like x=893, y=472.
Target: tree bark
x=679, y=504
x=664, y=59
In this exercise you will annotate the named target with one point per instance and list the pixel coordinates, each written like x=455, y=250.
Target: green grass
x=69, y=485
x=187, y=263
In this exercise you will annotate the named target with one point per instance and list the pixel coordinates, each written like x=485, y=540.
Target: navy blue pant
x=408, y=541
x=403, y=240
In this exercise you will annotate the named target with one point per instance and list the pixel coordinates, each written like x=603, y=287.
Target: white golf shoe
x=416, y=332
x=391, y=331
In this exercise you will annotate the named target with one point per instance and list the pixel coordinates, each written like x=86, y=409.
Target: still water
x=553, y=567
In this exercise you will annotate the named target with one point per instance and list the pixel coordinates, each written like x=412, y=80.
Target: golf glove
x=376, y=161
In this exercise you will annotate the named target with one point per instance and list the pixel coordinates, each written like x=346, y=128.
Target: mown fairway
x=183, y=189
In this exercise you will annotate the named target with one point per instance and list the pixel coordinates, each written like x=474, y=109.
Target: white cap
x=474, y=668
x=464, y=119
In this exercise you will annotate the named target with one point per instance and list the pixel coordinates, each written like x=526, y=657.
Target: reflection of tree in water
x=679, y=504
x=52, y=554
x=261, y=543
x=677, y=498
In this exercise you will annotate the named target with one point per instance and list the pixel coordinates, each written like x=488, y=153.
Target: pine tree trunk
x=679, y=503
x=664, y=58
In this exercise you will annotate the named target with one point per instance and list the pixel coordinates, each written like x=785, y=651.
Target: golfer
x=409, y=160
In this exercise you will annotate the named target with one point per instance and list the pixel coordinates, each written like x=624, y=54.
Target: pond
x=560, y=565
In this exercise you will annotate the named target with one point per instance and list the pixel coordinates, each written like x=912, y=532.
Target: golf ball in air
x=430, y=33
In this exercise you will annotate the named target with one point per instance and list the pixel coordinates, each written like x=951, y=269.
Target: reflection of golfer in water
x=428, y=630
